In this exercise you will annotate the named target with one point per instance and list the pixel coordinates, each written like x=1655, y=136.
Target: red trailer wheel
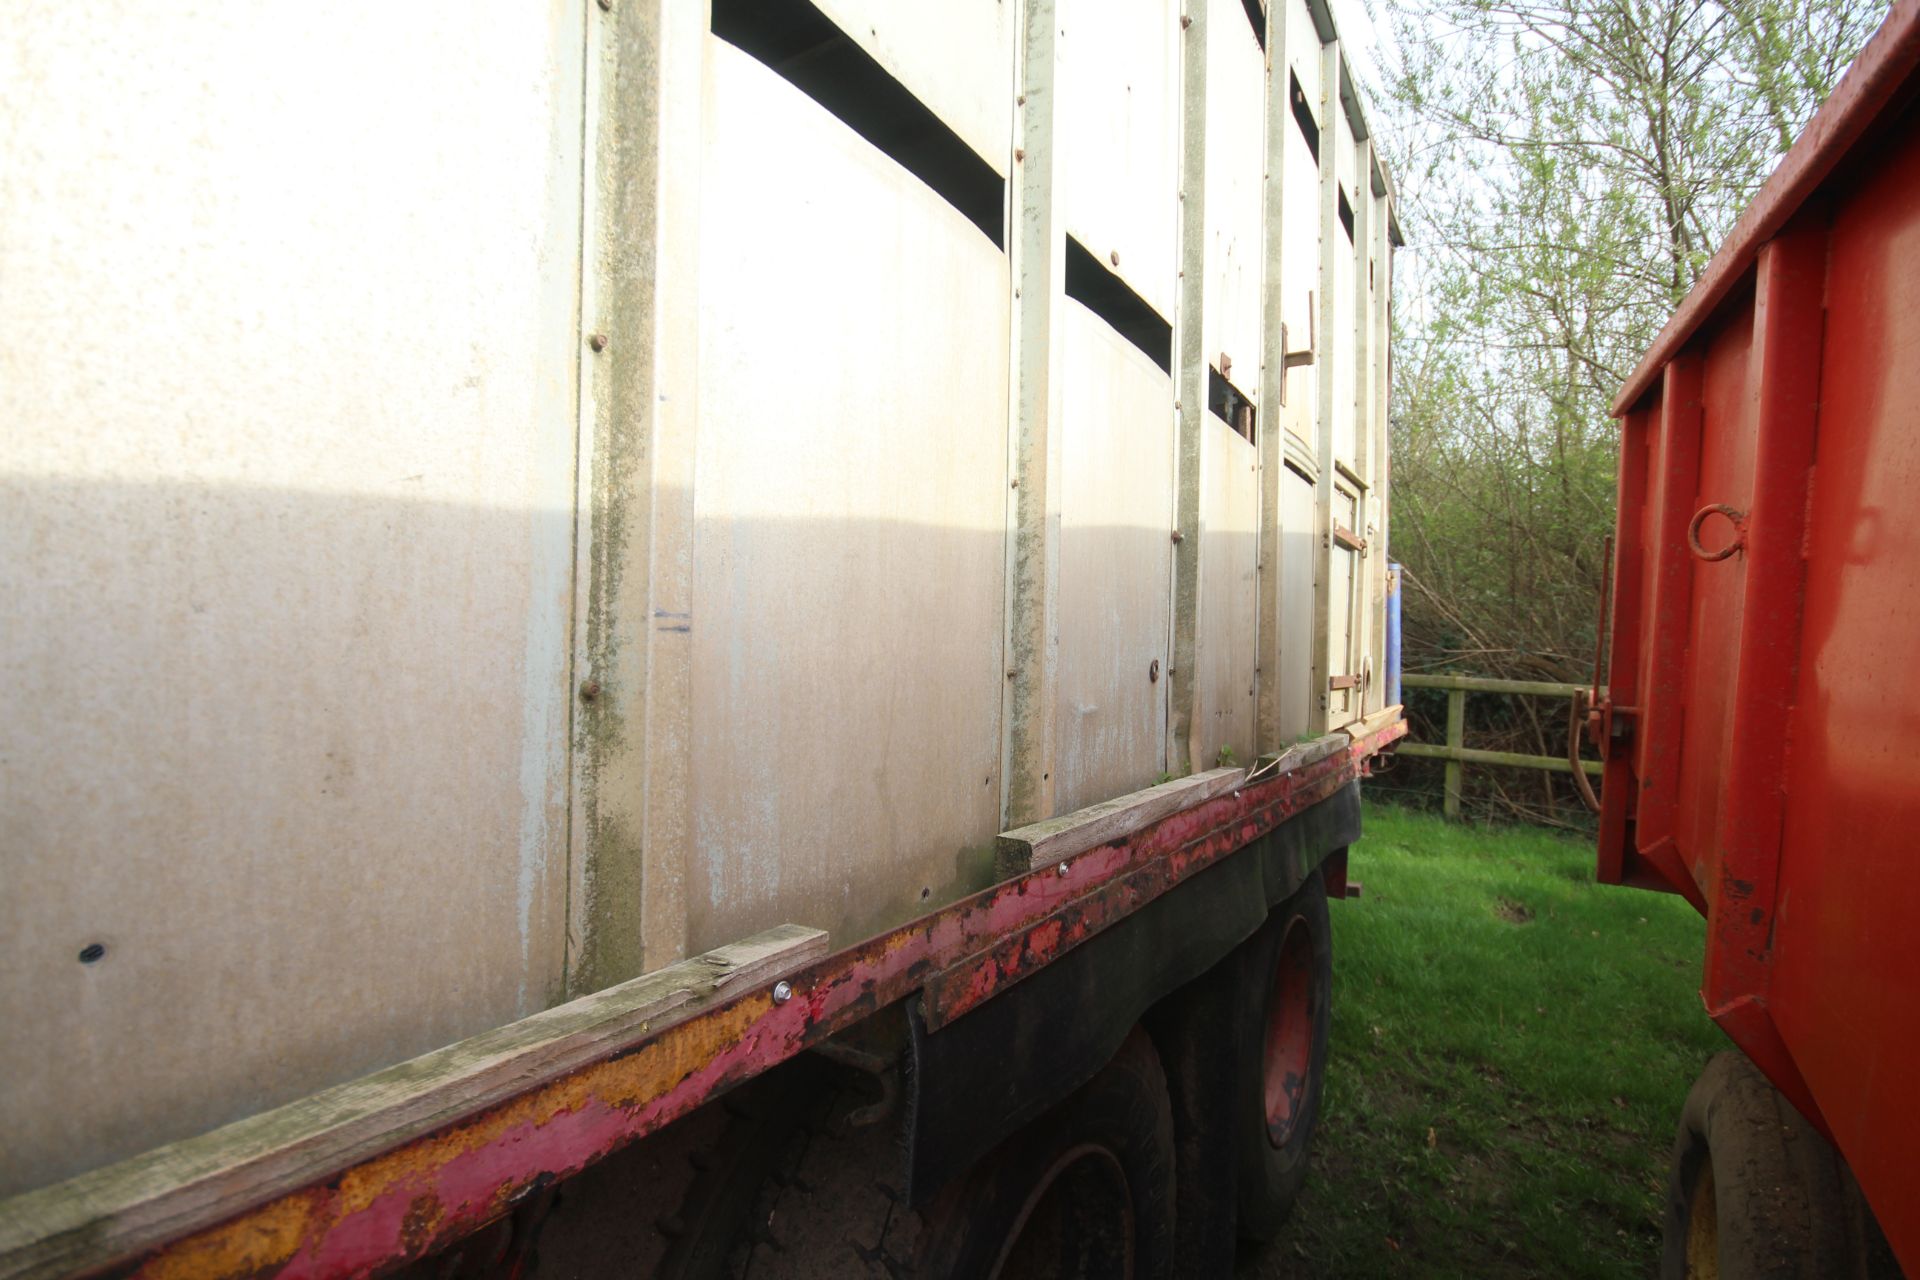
x=1286, y=1060
x=1289, y=980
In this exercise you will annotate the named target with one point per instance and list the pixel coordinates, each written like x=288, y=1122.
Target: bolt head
x=1061, y=871
x=782, y=991
x=598, y=342
x=589, y=690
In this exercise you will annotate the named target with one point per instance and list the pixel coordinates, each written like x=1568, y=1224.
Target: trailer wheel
x=1085, y=1192
x=1755, y=1193
x=1284, y=1054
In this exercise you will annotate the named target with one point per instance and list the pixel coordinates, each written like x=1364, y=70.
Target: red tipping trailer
x=1763, y=693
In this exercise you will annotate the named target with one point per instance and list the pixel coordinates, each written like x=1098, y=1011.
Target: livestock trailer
x=597, y=591
x=1762, y=682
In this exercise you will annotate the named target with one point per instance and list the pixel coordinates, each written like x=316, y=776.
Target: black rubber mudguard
x=978, y=1080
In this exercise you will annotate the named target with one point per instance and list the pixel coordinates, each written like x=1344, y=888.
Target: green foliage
x=1511, y=1045
x=1567, y=168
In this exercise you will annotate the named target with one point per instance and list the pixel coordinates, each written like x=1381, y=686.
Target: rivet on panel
x=1019, y=154
x=589, y=690
x=782, y=991
x=1179, y=536
x=1061, y=871
x=1153, y=671
x=606, y=6
x=1115, y=256
x=598, y=342
x=93, y=952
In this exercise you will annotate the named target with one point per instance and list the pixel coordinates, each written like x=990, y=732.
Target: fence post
x=1456, y=738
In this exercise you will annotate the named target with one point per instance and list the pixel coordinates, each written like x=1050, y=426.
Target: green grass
x=1511, y=1046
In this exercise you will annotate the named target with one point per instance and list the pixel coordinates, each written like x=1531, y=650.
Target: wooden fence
x=1457, y=754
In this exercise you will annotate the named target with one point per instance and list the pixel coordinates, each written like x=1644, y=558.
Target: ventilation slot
x=1346, y=214
x=1230, y=403
x=1303, y=116
x=1100, y=291
x=1257, y=15
x=805, y=48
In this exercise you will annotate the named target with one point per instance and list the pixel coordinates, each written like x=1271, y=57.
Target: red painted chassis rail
x=437, y=1188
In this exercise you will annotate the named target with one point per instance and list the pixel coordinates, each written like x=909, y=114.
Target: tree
x=1567, y=169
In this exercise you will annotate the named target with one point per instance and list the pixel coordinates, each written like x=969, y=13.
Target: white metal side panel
x=1119, y=121
x=850, y=507
x=1116, y=506
x=1303, y=47
x=1236, y=163
x=955, y=55
x=1345, y=612
x=1297, y=704
x=1229, y=595
x=288, y=354
x=1345, y=337
x=1300, y=282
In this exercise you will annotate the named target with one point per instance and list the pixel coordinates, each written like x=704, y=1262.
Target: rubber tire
x=827, y=1205
x=1784, y=1206
x=1270, y=1177
x=1123, y=1112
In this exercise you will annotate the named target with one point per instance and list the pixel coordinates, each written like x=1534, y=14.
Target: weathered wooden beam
x=1478, y=684
x=1456, y=737
x=122, y=1210
x=1473, y=755
x=1043, y=844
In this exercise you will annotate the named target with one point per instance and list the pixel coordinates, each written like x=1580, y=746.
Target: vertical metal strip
x=1190, y=372
x=1377, y=257
x=1360, y=601
x=1037, y=265
x=1663, y=668
x=632, y=807
x=1330, y=350
x=1783, y=392
x=1268, y=733
x=1619, y=786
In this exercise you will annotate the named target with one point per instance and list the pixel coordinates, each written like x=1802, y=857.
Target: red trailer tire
x=1284, y=1056
x=1755, y=1193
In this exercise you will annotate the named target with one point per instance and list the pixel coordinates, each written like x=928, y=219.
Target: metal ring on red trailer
x=1739, y=521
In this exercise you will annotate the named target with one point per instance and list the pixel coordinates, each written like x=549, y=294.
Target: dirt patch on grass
x=1512, y=912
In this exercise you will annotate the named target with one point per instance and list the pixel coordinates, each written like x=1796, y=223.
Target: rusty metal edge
x=1882, y=66
x=407, y=1202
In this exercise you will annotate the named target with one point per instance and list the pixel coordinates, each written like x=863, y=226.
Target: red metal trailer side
x=1762, y=688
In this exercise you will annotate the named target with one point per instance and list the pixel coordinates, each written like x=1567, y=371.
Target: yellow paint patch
x=261, y=1242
